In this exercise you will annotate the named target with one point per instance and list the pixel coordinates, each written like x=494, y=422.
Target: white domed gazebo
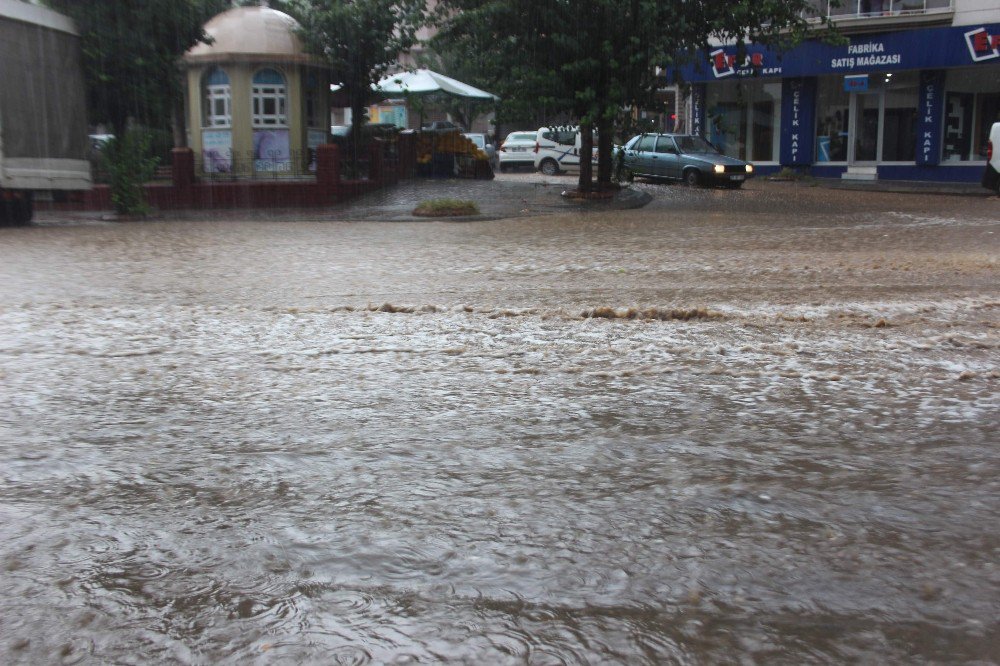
x=256, y=101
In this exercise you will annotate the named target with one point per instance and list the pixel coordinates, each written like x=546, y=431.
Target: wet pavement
x=508, y=195
x=752, y=426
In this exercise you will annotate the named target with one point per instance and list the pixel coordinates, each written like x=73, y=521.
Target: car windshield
x=694, y=144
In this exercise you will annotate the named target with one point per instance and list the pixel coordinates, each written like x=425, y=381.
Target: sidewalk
x=901, y=186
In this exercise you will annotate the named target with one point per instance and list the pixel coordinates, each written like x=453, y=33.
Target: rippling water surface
x=317, y=441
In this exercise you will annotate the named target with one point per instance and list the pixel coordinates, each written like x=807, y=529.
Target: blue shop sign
x=877, y=52
x=798, y=104
x=931, y=117
x=856, y=83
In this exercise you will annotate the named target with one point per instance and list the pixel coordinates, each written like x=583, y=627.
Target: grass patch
x=794, y=175
x=446, y=208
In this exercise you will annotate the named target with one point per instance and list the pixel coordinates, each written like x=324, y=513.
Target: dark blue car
x=684, y=157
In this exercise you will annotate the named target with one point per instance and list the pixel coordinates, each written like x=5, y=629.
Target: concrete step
x=860, y=173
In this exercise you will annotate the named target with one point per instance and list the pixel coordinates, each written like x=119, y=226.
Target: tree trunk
x=586, y=152
x=605, y=165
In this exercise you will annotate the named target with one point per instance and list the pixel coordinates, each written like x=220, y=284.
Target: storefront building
x=901, y=100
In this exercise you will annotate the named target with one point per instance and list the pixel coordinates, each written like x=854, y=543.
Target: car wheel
x=18, y=211
x=549, y=167
x=692, y=177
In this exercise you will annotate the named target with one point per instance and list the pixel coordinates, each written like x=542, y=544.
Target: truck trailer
x=43, y=116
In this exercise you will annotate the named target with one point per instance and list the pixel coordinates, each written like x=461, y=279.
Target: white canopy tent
x=425, y=82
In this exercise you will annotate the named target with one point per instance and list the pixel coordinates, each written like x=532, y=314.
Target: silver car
x=686, y=157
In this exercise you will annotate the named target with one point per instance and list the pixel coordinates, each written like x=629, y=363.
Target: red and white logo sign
x=982, y=45
x=724, y=64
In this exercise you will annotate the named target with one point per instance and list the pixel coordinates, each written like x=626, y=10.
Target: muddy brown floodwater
x=271, y=441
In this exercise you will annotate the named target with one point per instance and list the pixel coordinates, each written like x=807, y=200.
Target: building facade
x=910, y=96
x=256, y=101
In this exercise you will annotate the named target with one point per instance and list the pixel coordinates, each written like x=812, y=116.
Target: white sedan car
x=517, y=150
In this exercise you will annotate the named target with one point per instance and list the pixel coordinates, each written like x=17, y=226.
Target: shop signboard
x=931, y=117
x=875, y=52
x=698, y=109
x=856, y=83
x=393, y=115
x=798, y=98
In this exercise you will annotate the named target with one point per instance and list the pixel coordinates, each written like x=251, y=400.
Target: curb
x=893, y=186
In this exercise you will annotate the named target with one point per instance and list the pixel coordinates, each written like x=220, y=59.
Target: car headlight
x=749, y=168
x=719, y=168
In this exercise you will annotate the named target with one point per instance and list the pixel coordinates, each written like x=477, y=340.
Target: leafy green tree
x=130, y=53
x=360, y=40
x=595, y=57
x=129, y=167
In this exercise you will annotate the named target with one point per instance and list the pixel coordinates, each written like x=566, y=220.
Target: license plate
x=518, y=150
x=737, y=178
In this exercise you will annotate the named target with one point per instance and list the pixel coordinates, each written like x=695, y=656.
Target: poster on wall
x=314, y=139
x=217, y=151
x=271, y=150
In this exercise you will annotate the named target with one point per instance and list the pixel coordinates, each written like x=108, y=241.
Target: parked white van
x=991, y=176
x=557, y=150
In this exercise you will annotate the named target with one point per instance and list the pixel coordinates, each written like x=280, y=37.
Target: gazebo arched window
x=268, y=99
x=217, y=109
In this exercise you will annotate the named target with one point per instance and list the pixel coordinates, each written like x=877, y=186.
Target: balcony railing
x=850, y=9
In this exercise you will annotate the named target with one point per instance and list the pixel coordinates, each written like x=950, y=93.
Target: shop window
x=744, y=119
x=832, y=119
x=987, y=113
x=269, y=99
x=216, y=108
x=971, y=106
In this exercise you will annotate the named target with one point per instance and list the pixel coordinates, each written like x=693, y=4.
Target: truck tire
x=24, y=209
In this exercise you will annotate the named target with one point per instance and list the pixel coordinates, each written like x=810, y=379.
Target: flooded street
x=753, y=426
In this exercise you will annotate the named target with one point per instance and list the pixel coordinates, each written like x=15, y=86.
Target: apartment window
x=217, y=99
x=269, y=97
x=872, y=8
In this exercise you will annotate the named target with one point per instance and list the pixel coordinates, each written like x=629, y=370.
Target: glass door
x=866, y=128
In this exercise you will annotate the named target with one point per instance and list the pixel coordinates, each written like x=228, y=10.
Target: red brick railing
x=185, y=190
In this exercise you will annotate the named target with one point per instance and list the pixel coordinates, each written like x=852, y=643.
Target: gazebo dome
x=250, y=33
